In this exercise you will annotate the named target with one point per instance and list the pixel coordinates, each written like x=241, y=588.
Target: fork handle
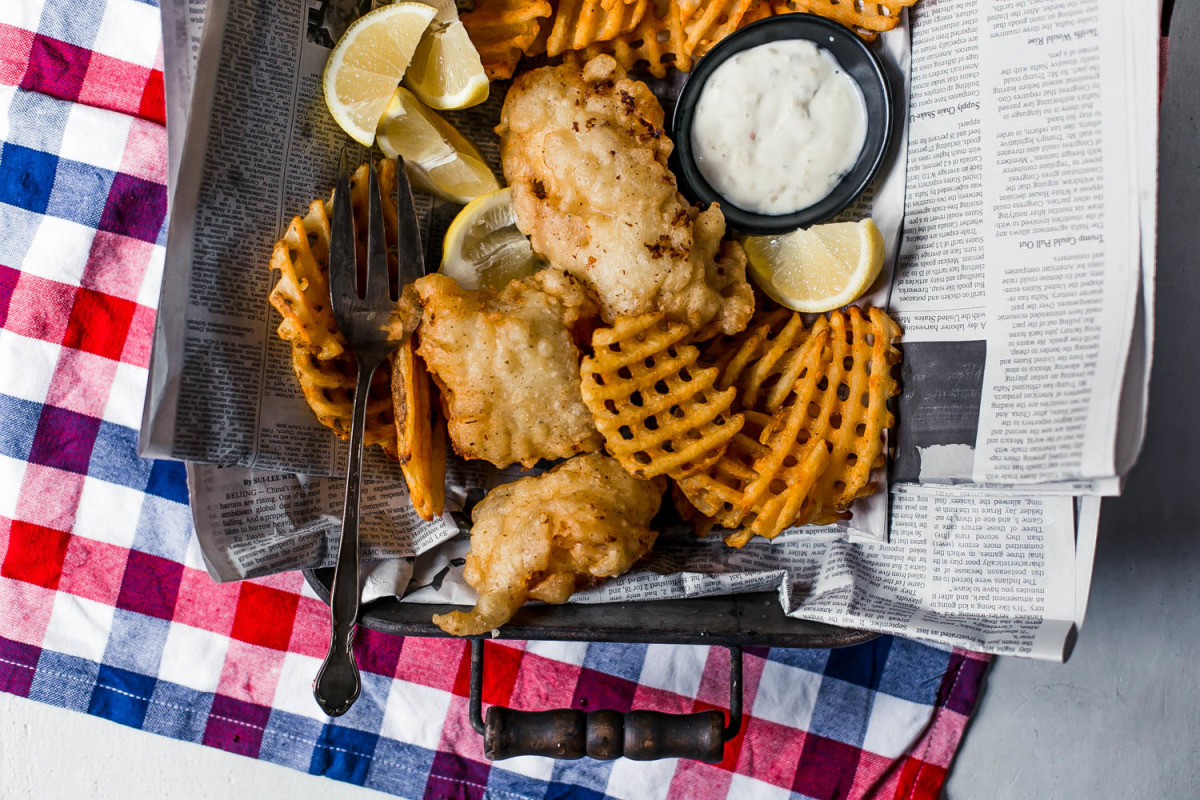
x=337, y=684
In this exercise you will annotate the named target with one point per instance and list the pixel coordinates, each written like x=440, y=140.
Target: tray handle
x=568, y=733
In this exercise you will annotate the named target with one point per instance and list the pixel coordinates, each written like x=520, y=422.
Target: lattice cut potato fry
x=759, y=9
x=328, y=387
x=301, y=295
x=710, y=22
x=866, y=18
x=579, y=23
x=659, y=413
x=657, y=43
x=504, y=30
x=815, y=406
x=323, y=365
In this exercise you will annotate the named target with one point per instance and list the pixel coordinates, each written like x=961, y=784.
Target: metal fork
x=371, y=326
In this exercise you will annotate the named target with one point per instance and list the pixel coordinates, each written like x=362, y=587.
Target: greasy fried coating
x=508, y=366
x=586, y=155
x=544, y=537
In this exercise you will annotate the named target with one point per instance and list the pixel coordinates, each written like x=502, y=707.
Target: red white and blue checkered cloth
x=105, y=607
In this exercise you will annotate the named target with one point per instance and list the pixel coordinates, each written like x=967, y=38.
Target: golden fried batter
x=586, y=155
x=544, y=537
x=508, y=366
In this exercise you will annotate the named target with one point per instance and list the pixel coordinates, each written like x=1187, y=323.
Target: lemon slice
x=819, y=268
x=446, y=71
x=368, y=62
x=439, y=158
x=484, y=249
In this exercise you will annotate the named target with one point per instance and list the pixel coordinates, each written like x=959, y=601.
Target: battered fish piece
x=544, y=537
x=586, y=156
x=507, y=365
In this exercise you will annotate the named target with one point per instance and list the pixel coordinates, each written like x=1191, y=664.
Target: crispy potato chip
x=815, y=405
x=710, y=22
x=503, y=30
x=657, y=43
x=421, y=461
x=659, y=414
x=328, y=386
x=866, y=18
x=579, y=23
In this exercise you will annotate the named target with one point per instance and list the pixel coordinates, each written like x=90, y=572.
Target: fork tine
x=377, y=262
x=343, y=276
x=411, y=256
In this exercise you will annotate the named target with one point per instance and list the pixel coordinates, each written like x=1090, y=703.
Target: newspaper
x=1027, y=333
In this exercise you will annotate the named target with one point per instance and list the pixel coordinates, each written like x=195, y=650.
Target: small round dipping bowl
x=856, y=59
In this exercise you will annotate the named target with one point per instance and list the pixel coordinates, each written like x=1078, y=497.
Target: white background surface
x=1121, y=720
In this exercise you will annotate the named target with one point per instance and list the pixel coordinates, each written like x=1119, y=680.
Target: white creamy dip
x=777, y=126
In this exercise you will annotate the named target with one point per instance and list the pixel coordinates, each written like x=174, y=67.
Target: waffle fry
x=324, y=367
x=538, y=47
x=658, y=42
x=866, y=18
x=710, y=22
x=422, y=460
x=328, y=386
x=579, y=23
x=658, y=413
x=701, y=525
x=359, y=199
x=815, y=408
x=503, y=30
x=302, y=294
x=759, y=9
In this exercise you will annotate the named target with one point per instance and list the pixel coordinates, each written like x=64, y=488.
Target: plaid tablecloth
x=105, y=607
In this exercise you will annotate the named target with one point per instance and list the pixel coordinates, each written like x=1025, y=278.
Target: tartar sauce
x=777, y=126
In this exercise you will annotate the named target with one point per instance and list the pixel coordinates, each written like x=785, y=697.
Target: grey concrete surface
x=1122, y=718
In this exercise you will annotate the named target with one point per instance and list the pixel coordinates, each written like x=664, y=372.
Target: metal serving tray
x=749, y=620
x=736, y=621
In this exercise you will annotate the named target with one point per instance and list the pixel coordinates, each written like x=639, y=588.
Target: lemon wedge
x=439, y=158
x=819, y=268
x=368, y=62
x=484, y=249
x=446, y=71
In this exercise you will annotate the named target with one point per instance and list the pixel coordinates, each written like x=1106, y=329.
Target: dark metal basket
x=736, y=621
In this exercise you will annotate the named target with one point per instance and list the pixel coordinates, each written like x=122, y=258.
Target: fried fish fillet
x=586, y=155
x=507, y=365
x=544, y=537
